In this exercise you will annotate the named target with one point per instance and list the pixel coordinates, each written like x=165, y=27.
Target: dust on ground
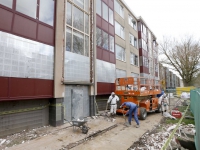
x=62, y=137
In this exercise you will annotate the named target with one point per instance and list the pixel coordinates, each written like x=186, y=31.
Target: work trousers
x=113, y=109
x=135, y=111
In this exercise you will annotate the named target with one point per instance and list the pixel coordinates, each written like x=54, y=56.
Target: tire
x=143, y=113
x=159, y=109
x=84, y=130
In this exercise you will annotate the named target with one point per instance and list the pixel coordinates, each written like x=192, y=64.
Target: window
x=79, y=3
x=105, y=12
x=134, y=74
x=119, y=9
x=78, y=43
x=87, y=45
x=98, y=7
x=120, y=53
x=133, y=40
x=98, y=36
x=23, y=6
x=7, y=3
x=112, y=49
x=78, y=18
x=47, y=11
x=87, y=5
x=111, y=16
x=144, y=45
x=120, y=73
x=144, y=29
x=119, y=30
x=105, y=40
x=145, y=62
x=86, y=22
x=132, y=22
x=156, y=67
x=69, y=13
x=134, y=59
x=68, y=39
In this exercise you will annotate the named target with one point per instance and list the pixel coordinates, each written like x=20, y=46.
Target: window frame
x=130, y=21
x=123, y=52
x=119, y=8
x=133, y=59
x=74, y=29
x=37, y=19
x=122, y=33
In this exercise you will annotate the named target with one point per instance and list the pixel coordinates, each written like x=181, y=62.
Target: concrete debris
x=93, y=117
x=2, y=141
x=167, y=115
x=155, y=139
x=171, y=128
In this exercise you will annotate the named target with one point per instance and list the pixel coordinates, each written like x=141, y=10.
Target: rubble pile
x=22, y=137
x=155, y=139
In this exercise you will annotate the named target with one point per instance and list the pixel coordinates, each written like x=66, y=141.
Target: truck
x=141, y=91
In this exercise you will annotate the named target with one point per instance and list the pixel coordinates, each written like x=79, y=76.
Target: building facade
x=59, y=58
x=148, y=51
x=168, y=79
x=27, y=42
x=126, y=41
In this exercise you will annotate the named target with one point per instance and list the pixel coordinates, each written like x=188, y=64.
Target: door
x=76, y=102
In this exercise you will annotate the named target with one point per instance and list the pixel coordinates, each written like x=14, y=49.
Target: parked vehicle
x=141, y=91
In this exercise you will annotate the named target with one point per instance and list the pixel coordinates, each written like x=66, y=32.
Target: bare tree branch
x=183, y=56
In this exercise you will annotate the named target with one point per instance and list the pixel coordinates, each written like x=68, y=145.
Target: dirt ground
x=103, y=134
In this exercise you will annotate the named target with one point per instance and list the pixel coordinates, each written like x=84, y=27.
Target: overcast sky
x=169, y=18
x=172, y=18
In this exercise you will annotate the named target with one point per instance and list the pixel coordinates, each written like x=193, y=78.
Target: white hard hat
x=113, y=93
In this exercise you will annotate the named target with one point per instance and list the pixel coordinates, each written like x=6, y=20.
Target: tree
x=183, y=56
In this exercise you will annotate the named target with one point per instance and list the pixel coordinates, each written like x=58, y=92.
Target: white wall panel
x=77, y=67
x=105, y=71
x=24, y=58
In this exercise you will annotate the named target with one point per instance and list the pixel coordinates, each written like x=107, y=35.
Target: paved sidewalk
x=62, y=136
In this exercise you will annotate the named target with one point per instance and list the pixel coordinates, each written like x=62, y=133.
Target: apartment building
x=27, y=43
x=168, y=79
x=46, y=63
x=148, y=51
x=126, y=41
x=57, y=57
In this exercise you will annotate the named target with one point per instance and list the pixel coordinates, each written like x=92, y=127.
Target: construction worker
x=159, y=95
x=133, y=108
x=113, y=99
x=164, y=103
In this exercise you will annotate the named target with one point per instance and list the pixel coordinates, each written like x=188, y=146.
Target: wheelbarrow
x=82, y=124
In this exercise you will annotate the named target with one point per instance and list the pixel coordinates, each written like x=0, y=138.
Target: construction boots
x=137, y=126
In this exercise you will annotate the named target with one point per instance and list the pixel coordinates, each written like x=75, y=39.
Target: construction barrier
x=179, y=90
x=194, y=107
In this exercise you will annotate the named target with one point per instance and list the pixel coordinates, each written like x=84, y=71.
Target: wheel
x=143, y=113
x=84, y=130
x=159, y=109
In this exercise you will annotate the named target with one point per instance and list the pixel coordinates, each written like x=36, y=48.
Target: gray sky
x=171, y=18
